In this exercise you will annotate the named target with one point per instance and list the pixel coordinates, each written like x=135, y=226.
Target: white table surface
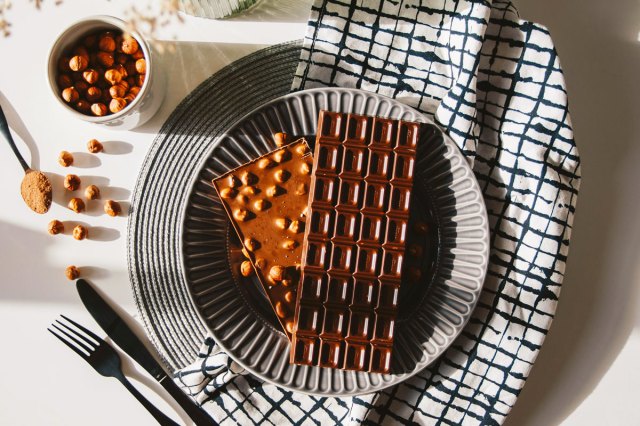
x=587, y=372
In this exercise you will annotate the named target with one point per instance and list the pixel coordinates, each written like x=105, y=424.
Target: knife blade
x=118, y=330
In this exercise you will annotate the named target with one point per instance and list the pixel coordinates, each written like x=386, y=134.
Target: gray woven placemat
x=163, y=186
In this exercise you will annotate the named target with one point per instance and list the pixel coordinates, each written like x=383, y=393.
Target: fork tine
x=89, y=332
x=78, y=342
x=63, y=340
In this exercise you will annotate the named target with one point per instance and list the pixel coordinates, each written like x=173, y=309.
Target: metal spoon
x=36, y=189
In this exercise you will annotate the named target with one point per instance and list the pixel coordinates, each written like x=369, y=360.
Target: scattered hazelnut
x=241, y=198
x=286, y=282
x=248, y=178
x=141, y=66
x=261, y=263
x=92, y=192
x=421, y=227
x=250, y=190
x=246, y=269
x=117, y=105
x=228, y=193
x=64, y=81
x=251, y=244
x=281, y=175
x=245, y=253
x=129, y=45
x=76, y=204
x=276, y=273
x=241, y=215
x=71, y=272
x=105, y=58
x=273, y=190
x=93, y=94
x=118, y=90
x=289, y=326
x=99, y=109
x=107, y=43
x=265, y=163
x=261, y=205
x=80, y=232
x=302, y=149
x=83, y=106
x=65, y=158
x=56, y=227
x=280, y=156
x=71, y=182
x=305, y=168
x=282, y=222
x=280, y=310
x=301, y=189
x=295, y=227
x=112, y=208
x=70, y=94
x=280, y=139
x=290, y=296
x=234, y=182
x=91, y=76
x=94, y=146
x=289, y=244
x=79, y=63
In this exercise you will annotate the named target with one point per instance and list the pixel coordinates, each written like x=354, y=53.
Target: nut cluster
x=102, y=73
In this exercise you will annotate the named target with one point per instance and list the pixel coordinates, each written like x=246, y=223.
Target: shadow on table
x=276, y=11
x=600, y=293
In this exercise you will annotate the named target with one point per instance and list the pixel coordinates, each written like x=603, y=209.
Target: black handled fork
x=103, y=358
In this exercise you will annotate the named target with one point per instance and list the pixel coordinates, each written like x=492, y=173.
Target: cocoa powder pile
x=36, y=191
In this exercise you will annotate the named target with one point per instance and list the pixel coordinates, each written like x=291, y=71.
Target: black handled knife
x=121, y=334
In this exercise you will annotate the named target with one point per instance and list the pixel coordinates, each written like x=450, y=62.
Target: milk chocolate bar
x=266, y=200
x=354, y=247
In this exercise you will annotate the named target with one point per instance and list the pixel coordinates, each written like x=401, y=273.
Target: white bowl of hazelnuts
x=102, y=72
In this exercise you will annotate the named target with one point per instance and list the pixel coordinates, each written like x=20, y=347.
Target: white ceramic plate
x=431, y=315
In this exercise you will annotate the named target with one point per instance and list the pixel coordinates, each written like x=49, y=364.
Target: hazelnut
x=81, y=51
x=290, y=297
x=304, y=211
x=64, y=81
x=118, y=90
x=286, y=282
x=134, y=90
x=251, y=244
x=107, y=43
x=245, y=253
x=63, y=64
x=141, y=66
x=113, y=76
x=261, y=263
x=131, y=81
x=248, y=178
x=415, y=250
x=421, y=227
x=280, y=156
x=71, y=182
x=234, y=182
x=122, y=70
x=106, y=96
x=129, y=45
x=265, y=163
x=241, y=215
x=71, y=272
x=139, y=80
x=273, y=190
x=99, y=109
x=112, y=208
x=250, y=190
x=55, y=227
x=280, y=138
x=89, y=41
x=70, y=94
x=289, y=244
x=105, y=58
x=280, y=310
x=282, y=222
x=94, y=94
x=81, y=86
x=65, y=158
x=76, y=204
x=243, y=199
x=261, y=205
x=295, y=227
x=117, y=105
x=246, y=269
x=130, y=68
x=94, y=146
x=79, y=63
x=83, y=106
x=92, y=192
x=289, y=326
x=305, y=168
x=276, y=273
x=302, y=149
x=121, y=58
x=228, y=193
x=90, y=76
x=281, y=175
x=301, y=189
x=80, y=232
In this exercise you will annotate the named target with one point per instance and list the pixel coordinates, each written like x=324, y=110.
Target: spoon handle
x=4, y=129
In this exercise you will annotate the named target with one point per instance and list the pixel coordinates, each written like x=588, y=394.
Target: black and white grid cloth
x=494, y=82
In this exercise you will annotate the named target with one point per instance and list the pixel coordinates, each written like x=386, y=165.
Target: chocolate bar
x=266, y=200
x=354, y=247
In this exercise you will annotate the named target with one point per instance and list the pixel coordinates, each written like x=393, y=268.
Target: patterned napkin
x=494, y=83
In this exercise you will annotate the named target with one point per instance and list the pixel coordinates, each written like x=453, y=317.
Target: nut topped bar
x=266, y=200
x=354, y=245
